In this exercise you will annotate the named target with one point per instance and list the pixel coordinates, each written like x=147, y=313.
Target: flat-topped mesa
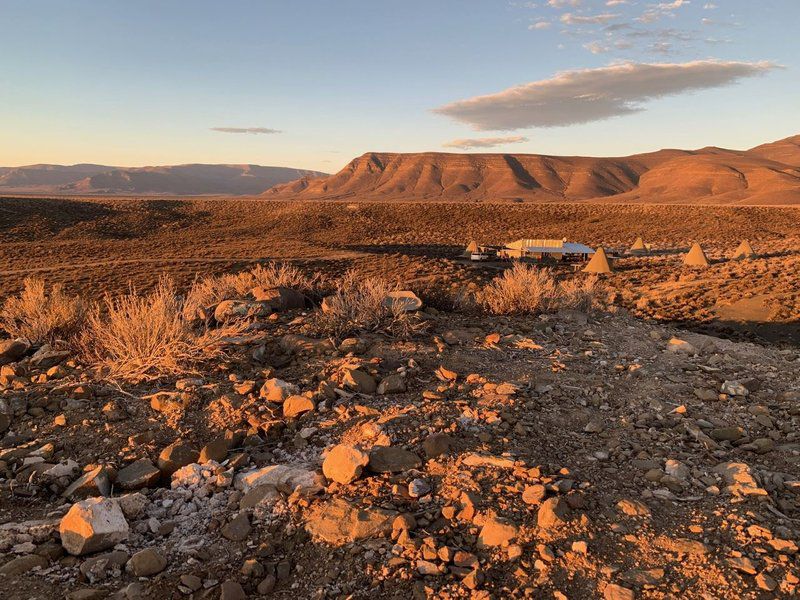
x=439, y=175
x=709, y=175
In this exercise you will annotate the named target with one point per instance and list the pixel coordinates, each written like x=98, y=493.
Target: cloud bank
x=490, y=142
x=583, y=96
x=251, y=130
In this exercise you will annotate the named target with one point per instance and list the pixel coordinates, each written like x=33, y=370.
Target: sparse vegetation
x=530, y=290
x=41, y=315
x=136, y=336
x=358, y=304
x=212, y=290
x=579, y=293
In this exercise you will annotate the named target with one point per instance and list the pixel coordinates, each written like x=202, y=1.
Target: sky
x=313, y=84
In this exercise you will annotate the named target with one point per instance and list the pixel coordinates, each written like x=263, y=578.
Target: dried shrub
x=138, y=336
x=579, y=293
x=230, y=286
x=530, y=290
x=358, y=304
x=283, y=275
x=520, y=290
x=41, y=315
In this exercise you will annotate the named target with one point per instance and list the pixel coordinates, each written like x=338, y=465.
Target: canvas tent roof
x=599, y=263
x=745, y=250
x=695, y=257
x=638, y=245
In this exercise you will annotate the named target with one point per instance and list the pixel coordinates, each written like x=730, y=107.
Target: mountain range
x=766, y=174
x=196, y=179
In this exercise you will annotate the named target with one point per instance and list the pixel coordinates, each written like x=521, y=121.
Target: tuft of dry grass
x=358, y=305
x=520, y=290
x=41, y=315
x=213, y=290
x=530, y=290
x=139, y=336
x=579, y=293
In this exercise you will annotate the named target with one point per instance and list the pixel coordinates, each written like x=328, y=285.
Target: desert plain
x=640, y=441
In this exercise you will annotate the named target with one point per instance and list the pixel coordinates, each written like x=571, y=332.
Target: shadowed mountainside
x=767, y=174
x=195, y=179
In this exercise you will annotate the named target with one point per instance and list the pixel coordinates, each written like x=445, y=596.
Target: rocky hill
x=195, y=179
x=767, y=174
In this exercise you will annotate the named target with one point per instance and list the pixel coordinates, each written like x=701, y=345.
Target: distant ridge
x=194, y=179
x=767, y=174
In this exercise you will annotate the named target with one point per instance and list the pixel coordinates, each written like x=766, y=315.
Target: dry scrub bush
x=579, y=293
x=357, y=305
x=530, y=290
x=140, y=336
x=520, y=290
x=41, y=316
x=230, y=286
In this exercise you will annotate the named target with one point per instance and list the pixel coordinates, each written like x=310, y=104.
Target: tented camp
x=472, y=247
x=695, y=257
x=744, y=251
x=599, y=263
x=638, y=247
x=542, y=249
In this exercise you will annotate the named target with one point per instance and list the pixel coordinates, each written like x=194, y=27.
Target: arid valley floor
x=646, y=447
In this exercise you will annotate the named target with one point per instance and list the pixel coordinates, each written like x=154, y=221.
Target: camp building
x=542, y=249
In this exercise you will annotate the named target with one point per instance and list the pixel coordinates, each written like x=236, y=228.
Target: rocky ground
x=569, y=455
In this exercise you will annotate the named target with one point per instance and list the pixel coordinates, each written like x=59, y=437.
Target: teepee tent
x=744, y=251
x=599, y=263
x=695, y=257
x=472, y=247
x=638, y=246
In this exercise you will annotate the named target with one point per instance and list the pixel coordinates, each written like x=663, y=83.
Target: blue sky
x=147, y=82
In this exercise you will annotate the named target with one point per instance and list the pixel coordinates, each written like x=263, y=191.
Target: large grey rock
x=339, y=522
x=11, y=351
x=23, y=564
x=137, y=475
x=343, y=464
x=91, y=525
x=277, y=390
x=93, y=483
x=286, y=478
x=147, y=562
x=178, y=454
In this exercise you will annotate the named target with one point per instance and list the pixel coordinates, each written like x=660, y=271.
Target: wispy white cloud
x=573, y=19
x=489, y=142
x=540, y=25
x=655, y=12
x=250, y=130
x=598, y=47
x=564, y=3
x=709, y=6
x=582, y=96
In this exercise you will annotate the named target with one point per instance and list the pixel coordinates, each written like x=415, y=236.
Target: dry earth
x=95, y=246
x=569, y=455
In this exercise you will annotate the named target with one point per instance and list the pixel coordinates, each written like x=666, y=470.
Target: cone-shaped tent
x=695, y=257
x=472, y=247
x=638, y=246
x=744, y=251
x=599, y=263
